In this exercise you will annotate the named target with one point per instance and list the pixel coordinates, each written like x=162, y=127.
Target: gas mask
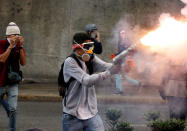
x=88, y=50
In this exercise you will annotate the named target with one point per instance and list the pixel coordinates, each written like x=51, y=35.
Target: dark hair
x=80, y=38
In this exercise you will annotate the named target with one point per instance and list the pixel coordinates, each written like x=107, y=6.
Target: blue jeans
x=12, y=92
x=71, y=123
x=118, y=83
x=4, y=104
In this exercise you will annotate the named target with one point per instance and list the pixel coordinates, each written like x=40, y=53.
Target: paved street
x=46, y=111
x=47, y=115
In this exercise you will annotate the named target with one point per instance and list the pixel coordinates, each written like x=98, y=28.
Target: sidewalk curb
x=105, y=99
x=39, y=98
x=131, y=99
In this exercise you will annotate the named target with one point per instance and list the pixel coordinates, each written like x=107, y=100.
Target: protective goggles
x=87, y=46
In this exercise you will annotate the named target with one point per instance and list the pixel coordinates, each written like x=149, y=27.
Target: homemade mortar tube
x=123, y=54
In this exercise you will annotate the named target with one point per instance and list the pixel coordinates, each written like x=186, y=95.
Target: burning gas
x=170, y=34
x=170, y=38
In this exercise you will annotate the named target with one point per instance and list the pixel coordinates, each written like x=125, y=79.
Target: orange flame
x=112, y=56
x=169, y=35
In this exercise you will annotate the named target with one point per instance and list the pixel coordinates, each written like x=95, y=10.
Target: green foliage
x=168, y=125
x=152, y=115
x=123, y=126
x=113, y=116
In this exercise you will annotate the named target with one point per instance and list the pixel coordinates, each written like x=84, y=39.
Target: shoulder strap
x=76, y=59
x=78, y=62
x=72, y=79
x=89, y=65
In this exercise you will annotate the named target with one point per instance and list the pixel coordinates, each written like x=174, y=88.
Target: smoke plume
x=165, y=45
x=184, y=10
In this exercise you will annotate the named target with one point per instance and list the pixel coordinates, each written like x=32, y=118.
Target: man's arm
x=98, y=48
x=4, y=56
x=22, y=57
x=22, y=53
x=72, y=69
x=100, y=65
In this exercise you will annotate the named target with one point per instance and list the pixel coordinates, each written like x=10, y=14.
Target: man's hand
x=95, y=35
x=21, y=39
x=115, y=69
x=105, y=74
x=13, y=39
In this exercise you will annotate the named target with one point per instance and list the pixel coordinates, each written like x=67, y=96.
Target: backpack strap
x=89, y=66
x=76, y=59
x=78, y=62
x=72, y=79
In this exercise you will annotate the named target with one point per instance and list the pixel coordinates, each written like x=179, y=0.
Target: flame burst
x=170, y=35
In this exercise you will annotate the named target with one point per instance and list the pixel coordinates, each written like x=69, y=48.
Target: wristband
x=21, y=47
x=10, y=48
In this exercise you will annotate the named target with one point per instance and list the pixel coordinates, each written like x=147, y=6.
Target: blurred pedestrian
x=92, y=31
x=174, y=90
x=123, y=44
x=12, y=55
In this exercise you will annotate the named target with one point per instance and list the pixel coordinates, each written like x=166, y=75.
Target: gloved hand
x=114, y=69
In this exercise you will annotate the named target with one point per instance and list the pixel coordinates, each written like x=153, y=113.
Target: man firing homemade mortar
x=77, y=80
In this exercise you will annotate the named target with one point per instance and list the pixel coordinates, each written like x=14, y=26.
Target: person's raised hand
x=13, y=39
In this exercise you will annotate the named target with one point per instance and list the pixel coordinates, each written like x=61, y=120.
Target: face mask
x=86, y=57
x=88, y=52
x=88, y=49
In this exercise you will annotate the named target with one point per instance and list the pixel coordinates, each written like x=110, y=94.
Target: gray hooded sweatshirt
x=81, y=100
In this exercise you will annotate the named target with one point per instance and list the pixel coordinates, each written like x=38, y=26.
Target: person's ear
x=76, y=51
x=79, y=51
